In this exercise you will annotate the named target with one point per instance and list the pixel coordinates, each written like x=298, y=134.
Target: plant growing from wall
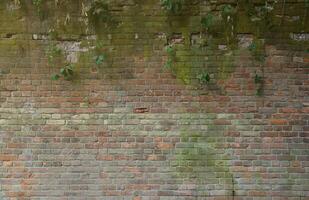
x=257, y=49
x=259, y=82
x=203, y=78
x=99, y=59
x=208, y=21
x=261, y=16
x=171, y=58
x=66, y=72
x=173, y=6
x=55, y=57
x=100, y=56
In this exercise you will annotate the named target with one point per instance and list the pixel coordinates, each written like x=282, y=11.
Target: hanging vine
x=218, y=32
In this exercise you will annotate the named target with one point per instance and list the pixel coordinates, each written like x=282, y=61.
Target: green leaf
x=204, y=78
x=55, y=77
x=207, y=21
x=258, y=79
x=168, y=64
x=62, y=71
x=170, y=50
x=70, y=71
x=99, y=59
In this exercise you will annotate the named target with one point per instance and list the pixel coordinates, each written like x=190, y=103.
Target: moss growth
x=173, y=6
x=219, y=26
x=226, y=65
x=198, y=159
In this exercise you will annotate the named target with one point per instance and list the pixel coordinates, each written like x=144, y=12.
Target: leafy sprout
x=66, y=72
x=203, y=78
x=99, y=59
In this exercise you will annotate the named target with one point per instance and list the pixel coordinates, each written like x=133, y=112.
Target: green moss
x=172, y=6
x=226, y=65
x=198, y=159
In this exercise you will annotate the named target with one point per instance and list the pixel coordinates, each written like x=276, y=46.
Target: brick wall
x=129, y=129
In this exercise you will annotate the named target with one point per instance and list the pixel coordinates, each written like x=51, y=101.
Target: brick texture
x=130, y=130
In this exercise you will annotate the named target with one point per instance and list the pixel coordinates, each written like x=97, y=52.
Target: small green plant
x=259, y=91
x=207, y=21
x=55, y=77
x=99, y=59
x=66, y=72
x=171, y=57
x=259, y=81
x=257, y=50
x=203, y=78
x=174, y=6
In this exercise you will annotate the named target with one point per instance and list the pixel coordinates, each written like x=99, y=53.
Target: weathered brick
x=129, y=129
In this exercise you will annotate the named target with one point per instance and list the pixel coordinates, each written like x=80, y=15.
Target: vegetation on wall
x=257, y=49
x=173, y=6
x=218, y=33
x=66, y=72
x=100, y=56
x=203, y=78
x=55, y=57
x=171, y=58
x=99, y=13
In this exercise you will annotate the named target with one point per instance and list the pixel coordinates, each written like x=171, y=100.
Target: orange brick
x=279, y=122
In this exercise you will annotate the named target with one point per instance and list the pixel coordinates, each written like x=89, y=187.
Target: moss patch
x=198, y=159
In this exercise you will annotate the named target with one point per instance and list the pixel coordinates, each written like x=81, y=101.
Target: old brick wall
x=129, y=129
